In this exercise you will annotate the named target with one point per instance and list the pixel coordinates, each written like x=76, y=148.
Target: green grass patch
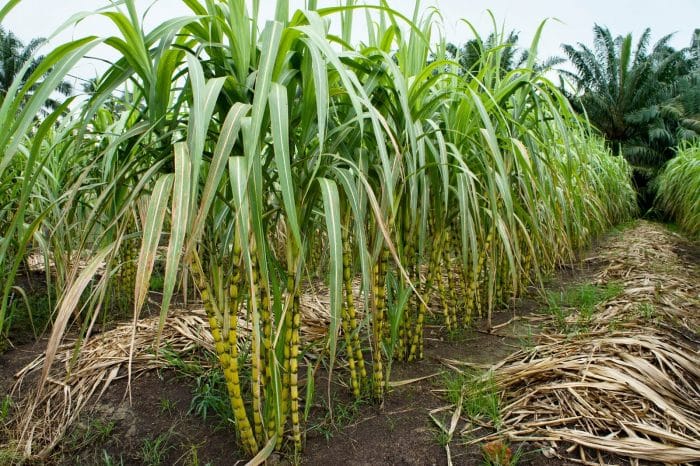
x=155, y=450
x=96, y=431
x=210, y=398
x=344, y=414
x=481, y=398
x=28, y=316
x=580, y=301
x=5, y=408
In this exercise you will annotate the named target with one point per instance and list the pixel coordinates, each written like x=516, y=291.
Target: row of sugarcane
x=263, y=158
x=678, y=189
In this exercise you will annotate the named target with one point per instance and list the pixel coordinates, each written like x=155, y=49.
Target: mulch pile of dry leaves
x=629, y=386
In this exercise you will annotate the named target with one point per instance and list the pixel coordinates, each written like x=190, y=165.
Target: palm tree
x=470, y=55
x=13, y=55
x=630, y=95
x=473, y=55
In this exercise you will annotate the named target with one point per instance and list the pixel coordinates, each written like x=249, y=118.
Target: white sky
x=40, y=18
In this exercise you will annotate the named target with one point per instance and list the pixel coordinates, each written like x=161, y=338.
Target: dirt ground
x=159, y=427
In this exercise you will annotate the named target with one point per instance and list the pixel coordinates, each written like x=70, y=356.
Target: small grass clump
x=109, y=460
x=28, y=315
x=210, y=398
x=581, y=301
x=167, y=405
x=154, y=450
x=481, y=398
x=344, y=414
x=209, y=393
x=93, y=432
x=5, y=408
x=646, y=311
x=441, y=437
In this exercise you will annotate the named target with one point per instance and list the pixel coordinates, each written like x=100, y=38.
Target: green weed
x=189, y=368
x=109, y=460
x=646, y=311
x=580, y=301
x=9, y=454
x=481, y=395
x=94, y=432
x=167, y=405
x=5, y=408
x=29, y=313
x=460, y=333
x=441, y=437
x=191, y=458
x=620, y=228
x=344, y=414
x=155, y=450
x=499, y=453
x=157, y=282
x=527, y=340
x=210, y=397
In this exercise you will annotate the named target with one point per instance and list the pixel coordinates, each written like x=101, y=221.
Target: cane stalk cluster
x=261, y=156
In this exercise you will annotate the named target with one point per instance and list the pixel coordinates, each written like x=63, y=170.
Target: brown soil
x=398, y=433
x=401, y=432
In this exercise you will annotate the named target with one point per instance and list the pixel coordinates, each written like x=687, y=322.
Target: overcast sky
x=40, y=18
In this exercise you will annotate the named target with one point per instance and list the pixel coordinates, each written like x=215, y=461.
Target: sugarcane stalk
x=404, y=332
x=442, y=291
x=227, y=359
x=416, y=350
x=294, y=373
x=377, y=330
x=452, y=276
x=286, y=369
x=474, y=285
x=349, y=320
x=294, y=323
x=256, y=360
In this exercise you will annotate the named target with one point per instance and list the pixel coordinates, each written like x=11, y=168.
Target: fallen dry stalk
x=625, y=391
x=630, y=386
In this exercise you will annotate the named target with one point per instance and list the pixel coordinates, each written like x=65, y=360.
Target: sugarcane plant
x=242, y=154
x=678, y=189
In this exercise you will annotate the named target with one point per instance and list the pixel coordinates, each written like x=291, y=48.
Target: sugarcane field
x=343, y=232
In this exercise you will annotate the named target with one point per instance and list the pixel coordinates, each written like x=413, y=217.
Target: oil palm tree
x=473, y=54
x=469, y=56
x=628, y=93
x=13, y=55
